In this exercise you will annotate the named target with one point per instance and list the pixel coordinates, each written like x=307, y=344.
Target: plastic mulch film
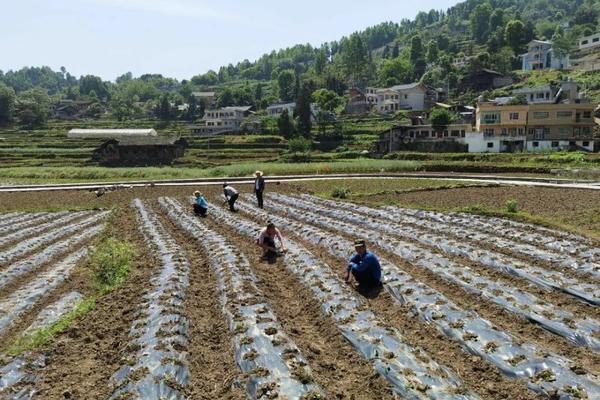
x=157, y=366
x=29, y=245
x=55, y=311
x=562, y=242
x=8, y=218
x=29, y=219
x=410, y=371
x=270, y=359
x=22, y=267
x=27, y=296
x=15, y=383
x=438, y=222
x=63, y=219
x=545, y=373
x=580, y=331
x=578, y=288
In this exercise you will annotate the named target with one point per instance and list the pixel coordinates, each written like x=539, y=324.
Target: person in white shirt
x=231, y=195
x=266, y=241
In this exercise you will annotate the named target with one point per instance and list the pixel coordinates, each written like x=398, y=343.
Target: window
x=491, y=118
x=546, y=131
x=490, y=145
x=585, y=144
x=587, y=114
x=564, y=114
x=411, y=134
x=541, y=115
x=564, y=131
x=586, y=130
x=584, y=42
x=488, y=132
x=572, y=143
x=520, y=131
x=554, y=144
x=462, y=133
x=504, y=132
x=539, y=95
x=576, y=131
x=514, y=116
x=595, y=40
x=445, y=133
x=455, y=133
x=405, y=96
x=536, y=144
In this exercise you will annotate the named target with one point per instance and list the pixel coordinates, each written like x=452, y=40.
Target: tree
x=355, y=60
x=443, y=41
x=480, y=22
x=395, y=72
x=7, y=104
x=285, y=125
x=514, y=35
x=497, y=19
x=417, y=56
x=327, y=100
x=561, y=45
x=165, y=110
x=395, y=50
x=33, y=108
x=320, y=61
x=95, y=83
x=286, y=82
x=303, y=110
x=440, y=119
x=225, y=98
x=432, y=51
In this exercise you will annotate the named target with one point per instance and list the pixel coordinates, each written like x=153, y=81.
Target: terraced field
x=472, y=307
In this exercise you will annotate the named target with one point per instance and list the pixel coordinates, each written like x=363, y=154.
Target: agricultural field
x=130, y=295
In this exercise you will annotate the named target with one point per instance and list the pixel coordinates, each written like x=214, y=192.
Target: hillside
x=487, y=34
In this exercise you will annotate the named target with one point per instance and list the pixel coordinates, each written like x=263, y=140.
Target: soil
x=82, y=359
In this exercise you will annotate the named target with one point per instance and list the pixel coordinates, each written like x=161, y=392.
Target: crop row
x=561, y=242
x=542, y=277
x=27, y=296
x=62, y=218
x=546, y=373
x=579, y=331
x=449, y=226
x=8, y=218
x=263, y=351
x=157, y=366
x=29, y=219
x=33, y=262
x=410, y=371
x=29, y=245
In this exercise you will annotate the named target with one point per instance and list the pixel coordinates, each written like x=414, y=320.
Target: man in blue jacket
x=365, y=268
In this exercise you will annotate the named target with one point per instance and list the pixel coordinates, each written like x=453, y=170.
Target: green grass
x=111, y=263
x=98, y=174
x=42, y=336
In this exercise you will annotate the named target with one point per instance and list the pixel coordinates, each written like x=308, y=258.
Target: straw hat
x=197, y=193
x=258, y=173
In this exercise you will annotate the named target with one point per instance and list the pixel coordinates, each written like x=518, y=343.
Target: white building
x=414, y=96
x=275, y=110
x=109, y=133
x=540, y=55
x=549, y=94
x=220, y=121
x=589, y=42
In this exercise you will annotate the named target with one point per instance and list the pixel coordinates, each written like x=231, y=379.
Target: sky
x=178, y=38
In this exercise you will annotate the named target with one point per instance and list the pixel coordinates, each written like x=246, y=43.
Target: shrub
x=340, y=193
x=512, y=206
x=111, y=263
x=300, y=145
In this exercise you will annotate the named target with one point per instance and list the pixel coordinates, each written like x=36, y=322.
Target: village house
x=424, y=138
x=209, y=98
x=589, y=43
x=541, y=55
x=413, y=96
x=71, y=109
x=221, y=121
x=358, y=103
x=533, y=127
x=139, y=151
x=485, y=79
x=275, y=110
x=567, y=91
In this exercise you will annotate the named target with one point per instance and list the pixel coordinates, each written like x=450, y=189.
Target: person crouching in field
x=365, y=269
x=200, y=204
x=231, y=195
x=266, y=241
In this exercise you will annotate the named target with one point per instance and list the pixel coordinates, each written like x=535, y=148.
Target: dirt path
x=212, y=366
x=337, y=367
